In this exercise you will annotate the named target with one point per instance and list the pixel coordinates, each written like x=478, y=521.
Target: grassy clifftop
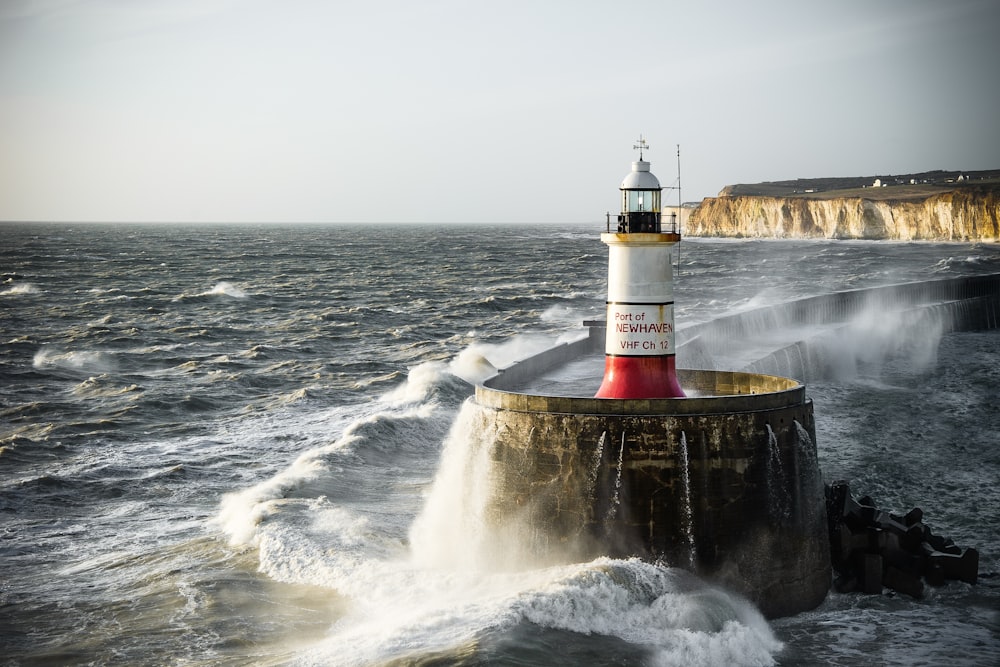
x=892, y=187
x=935, y=206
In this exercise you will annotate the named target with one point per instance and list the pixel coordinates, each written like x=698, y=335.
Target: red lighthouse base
x=640, y=377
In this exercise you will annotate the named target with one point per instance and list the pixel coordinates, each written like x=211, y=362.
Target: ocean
x=229, y=445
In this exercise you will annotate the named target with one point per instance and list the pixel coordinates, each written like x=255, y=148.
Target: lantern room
x=640, y=198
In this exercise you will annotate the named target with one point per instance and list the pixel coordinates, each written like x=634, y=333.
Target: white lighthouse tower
x=640, y=360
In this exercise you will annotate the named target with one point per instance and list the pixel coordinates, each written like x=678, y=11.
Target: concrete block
x=875, y=540
x=934, y=574
x=871, y=574
x=964, y=567
x=904, y=582
x=914, y=516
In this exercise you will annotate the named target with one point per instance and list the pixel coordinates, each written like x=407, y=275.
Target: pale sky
x=468, y=111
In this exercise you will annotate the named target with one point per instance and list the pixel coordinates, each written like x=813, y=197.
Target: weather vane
x=640, y=146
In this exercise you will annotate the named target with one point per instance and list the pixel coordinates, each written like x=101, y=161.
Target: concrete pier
x=725, y=484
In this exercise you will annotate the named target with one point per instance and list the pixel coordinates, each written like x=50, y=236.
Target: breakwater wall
x=846, y=323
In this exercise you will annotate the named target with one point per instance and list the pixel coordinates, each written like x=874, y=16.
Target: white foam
x=23, y=288
x=223, y=288
x=399, y=610
x=685, y=621
x=480, y=360
x=226, y=289
x=241, y=513
x=471, y=365
x=450, y=530
x=444, y=589
x=420, y=382
x=89, y=361
x=566, y=316
x=101, y=386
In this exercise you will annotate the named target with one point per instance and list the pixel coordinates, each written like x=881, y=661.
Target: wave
x=682, y=619
x=278, y=401
x=425, y=382
x=225, y=289
x=312, y=524
x=400, y=426
x=568, y=316
x=335, y=469
x=17, y=290
x=948, y=265
x=101, y=386
x=479, y=361
x=400, y=612
x=33, y=433
x=365, y=383
x=88, y=361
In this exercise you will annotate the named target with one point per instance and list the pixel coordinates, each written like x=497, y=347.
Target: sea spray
x=225, y=288
x=452, y=530
x=878, y=335
x=23, y=288
x=404, y=613
x=479, y=361
x=683, y=620
x=337, y=467
x=82, y=361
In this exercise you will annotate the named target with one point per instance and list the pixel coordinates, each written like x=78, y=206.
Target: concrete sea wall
x=726, y=485
x=846, y=323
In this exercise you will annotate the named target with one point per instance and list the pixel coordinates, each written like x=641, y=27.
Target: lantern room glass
x=640, y=201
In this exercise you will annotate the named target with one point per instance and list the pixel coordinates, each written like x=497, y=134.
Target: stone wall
x=732, y=493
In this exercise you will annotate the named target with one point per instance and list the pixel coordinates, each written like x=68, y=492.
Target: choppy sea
x=219, y=446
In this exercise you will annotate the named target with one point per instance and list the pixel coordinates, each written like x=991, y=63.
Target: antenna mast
x=680, y=207
x=680, y=202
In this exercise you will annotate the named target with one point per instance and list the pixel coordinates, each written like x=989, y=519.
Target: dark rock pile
x=871, y=549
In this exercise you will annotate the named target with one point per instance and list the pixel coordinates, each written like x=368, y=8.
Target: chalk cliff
x=962, y=214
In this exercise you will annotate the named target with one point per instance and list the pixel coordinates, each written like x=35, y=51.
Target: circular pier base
x=725, y=484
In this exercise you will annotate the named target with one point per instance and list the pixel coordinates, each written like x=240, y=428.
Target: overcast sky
x=468, y=111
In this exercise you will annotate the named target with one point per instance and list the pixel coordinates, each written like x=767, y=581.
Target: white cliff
x=963, y=214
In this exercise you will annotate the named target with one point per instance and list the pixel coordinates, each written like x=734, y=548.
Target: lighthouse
x=639, y=350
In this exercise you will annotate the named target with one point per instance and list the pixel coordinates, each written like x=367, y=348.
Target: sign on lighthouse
x=639, y=350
